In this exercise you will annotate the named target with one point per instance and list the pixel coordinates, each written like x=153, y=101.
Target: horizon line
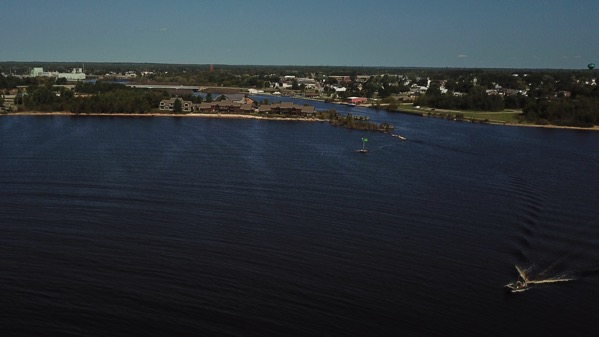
x=296, y=65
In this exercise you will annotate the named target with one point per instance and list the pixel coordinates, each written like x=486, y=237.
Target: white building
x=35, y=72
x=76, y=74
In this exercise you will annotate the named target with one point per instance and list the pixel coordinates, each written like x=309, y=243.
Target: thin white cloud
x=163, y=29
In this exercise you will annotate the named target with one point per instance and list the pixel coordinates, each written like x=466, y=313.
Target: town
x=560, y=97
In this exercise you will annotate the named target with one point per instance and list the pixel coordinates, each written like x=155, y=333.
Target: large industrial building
x=76, y=74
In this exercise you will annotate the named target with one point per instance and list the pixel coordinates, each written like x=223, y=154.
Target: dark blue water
x=206, y=227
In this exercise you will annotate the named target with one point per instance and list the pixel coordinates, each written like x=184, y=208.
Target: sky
x=395, y=33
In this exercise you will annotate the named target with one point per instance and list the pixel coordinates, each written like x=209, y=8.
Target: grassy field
x=506, y=116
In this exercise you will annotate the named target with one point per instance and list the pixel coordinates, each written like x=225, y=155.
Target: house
x=287, y=108
x=247, y=108
x=204, y=107
x=308, y=83
x=265, y=108
x=169, y=105
x=227, y=106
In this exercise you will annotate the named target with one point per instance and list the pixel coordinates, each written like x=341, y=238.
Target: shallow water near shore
x=182, y=226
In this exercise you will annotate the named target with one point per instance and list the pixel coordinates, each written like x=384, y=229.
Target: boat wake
x=528, y=277
x=577, y=263
x=550, y=250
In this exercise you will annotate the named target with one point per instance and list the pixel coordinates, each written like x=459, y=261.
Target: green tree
x=177, y=106
x=331, y=81
x=434, y=90
x=67, y=94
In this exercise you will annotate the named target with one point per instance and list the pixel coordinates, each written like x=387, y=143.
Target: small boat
x=517, y=286
x=521, y=284
x=399, y=136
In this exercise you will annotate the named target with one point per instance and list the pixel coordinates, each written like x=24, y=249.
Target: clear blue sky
x=432, y=33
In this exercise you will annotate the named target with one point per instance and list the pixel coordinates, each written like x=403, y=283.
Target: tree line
x=96, y=97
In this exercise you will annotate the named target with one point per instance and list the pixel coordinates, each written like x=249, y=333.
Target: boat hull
x=514, y=288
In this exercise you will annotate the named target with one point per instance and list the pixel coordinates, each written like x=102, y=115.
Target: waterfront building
x=169, y=105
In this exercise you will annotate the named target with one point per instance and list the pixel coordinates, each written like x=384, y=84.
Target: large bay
x=195, y=227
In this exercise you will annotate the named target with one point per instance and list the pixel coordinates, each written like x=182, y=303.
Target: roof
x=308, y=109
x=265, y=108
x=227, y=103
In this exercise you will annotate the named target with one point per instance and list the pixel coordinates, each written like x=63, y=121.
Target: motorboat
x=521, y=284
x=517, y=286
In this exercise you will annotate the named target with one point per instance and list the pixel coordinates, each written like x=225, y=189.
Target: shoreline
x=418, y=113
x=197, y=115
x=243, y=116
x=550, y=126
x=495, y=122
